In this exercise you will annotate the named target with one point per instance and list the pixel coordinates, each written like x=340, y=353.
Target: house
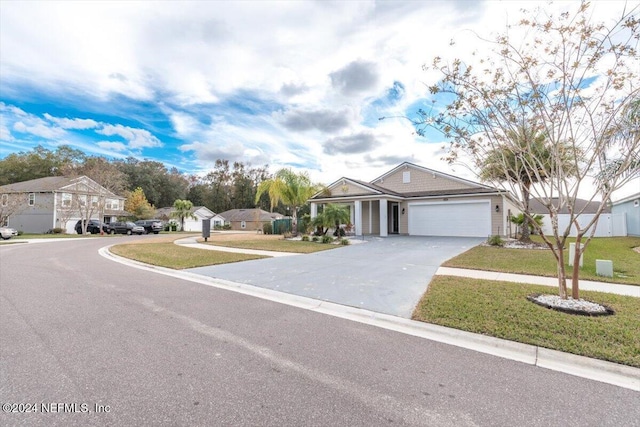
x=629, y=210
x=249, y=219
x=192, y=224
x=414, y=200
x=39, y=205
x=608, y=224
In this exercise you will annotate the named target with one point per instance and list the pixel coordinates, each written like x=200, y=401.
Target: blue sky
x=290, y=84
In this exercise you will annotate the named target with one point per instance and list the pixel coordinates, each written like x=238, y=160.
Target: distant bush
x=315, y=238
x=327, y=239
x=287, y=234
x=345, y=242
x=57, y=230
x=495, y=240
x=267, y=228
x=305, y=238
x=339, y=232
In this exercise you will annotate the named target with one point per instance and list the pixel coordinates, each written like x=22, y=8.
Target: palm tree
x=332, y=215
x=182, y=210
x=524, y=160
x=291, y=188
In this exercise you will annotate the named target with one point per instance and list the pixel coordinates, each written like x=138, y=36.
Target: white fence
x=609, y=225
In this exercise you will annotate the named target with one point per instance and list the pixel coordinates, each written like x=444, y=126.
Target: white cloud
x=65, y=123
x=136, y=138
x=38, y=127
x=111, y=145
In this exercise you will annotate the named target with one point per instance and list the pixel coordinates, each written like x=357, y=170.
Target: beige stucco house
x=414, y=200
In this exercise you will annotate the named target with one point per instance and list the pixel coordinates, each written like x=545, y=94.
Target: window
x=94, y=201
x=636, y=203
x=243, y=224
x=32, y=199
x=5, y=199
x=82, y=199
x=406, y=177
x=66, y=200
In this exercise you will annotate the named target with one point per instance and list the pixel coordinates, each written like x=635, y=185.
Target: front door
x=394, y=220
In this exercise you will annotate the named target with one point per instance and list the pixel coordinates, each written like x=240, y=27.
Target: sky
x=299, y=84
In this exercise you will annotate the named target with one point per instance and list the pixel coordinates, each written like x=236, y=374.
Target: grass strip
x=177, y=257
x=626, y=262
x=501, y=310
x=293, y=246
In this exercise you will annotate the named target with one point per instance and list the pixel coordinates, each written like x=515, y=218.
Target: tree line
x=229, y=185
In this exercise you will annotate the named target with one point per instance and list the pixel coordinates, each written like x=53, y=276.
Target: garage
x=464, y=218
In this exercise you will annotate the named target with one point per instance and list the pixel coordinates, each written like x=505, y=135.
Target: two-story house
x=39, y=205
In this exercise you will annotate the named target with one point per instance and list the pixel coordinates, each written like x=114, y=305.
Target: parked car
x=93, y=226
x=6, y=233
x=125, y=228
x=150, y=225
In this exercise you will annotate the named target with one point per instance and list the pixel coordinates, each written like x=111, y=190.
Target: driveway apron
x=385, y=275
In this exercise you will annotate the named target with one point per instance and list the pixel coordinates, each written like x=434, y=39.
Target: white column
x=314, y=210
x=384, y=221
x=358, y=217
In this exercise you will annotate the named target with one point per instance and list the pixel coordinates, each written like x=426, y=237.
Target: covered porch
x=371, y=216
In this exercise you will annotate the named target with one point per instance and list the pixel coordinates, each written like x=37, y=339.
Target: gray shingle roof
x=249, y=215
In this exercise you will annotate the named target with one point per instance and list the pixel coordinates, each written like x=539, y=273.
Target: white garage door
x=450, y=219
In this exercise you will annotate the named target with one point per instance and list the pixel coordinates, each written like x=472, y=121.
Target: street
x=86, y=341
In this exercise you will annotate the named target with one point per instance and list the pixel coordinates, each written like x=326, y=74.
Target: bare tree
x=10, y=204
x=574, y=82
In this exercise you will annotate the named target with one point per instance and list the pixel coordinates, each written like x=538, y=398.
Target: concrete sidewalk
x=585, y=285
x=192, y=242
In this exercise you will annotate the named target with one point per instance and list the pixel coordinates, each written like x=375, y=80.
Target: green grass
x=178, y=257
x=294, y=246
x=500, y=309
x=626, y=262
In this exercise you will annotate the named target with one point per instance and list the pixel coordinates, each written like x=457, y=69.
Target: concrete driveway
x=386, y=275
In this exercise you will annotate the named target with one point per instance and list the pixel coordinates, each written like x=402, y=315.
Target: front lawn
x=276, y=245
x=501, y=310
x=170, y=255
x=626, y=262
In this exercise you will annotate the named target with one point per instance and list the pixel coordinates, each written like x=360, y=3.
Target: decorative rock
x=570, y=305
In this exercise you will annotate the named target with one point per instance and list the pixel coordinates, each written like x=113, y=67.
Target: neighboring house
x=190, y=224
x=39, y=205
x=414, y=200
x=608, y=224
x=249, y=219
x=629, y=209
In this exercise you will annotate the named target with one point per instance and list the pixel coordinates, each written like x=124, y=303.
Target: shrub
x=345, y=242
x=287, y=234
x=57, y=230
x=339, y=232
x=315, y=238
x=305, y=238
x=327, y=239
x=267, y=228
x=495, y=240
x=20, y=232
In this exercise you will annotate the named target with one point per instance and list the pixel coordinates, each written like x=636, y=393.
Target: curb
x=580, y=366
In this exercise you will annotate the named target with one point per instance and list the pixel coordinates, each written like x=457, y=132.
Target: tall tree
x=291, y=188
x=182, y=210
x=40, y=162
x=138, y=205
x=572, y=80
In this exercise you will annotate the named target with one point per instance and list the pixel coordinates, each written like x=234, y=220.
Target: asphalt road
x=81, y=333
